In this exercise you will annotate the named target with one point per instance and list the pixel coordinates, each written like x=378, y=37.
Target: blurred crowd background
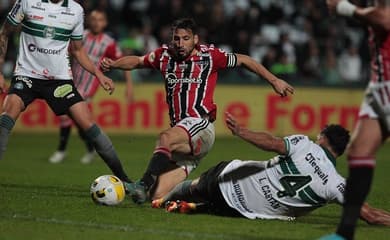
x=296, y=40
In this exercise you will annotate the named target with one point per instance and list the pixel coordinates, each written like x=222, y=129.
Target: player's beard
x=175, y=52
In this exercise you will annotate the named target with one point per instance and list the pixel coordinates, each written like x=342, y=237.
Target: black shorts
x=208, y=188
x=60, y=95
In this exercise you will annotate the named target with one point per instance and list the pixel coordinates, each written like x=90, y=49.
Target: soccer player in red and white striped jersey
x=190, y=72
x=98, y=45
x=373, y=126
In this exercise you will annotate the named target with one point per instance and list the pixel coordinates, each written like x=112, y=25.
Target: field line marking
x=123, y=228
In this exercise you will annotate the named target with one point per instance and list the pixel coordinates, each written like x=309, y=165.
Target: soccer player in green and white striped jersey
x=49, y=29
x=300, y=179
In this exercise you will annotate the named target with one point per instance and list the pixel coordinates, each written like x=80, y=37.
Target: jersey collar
x=330, y=156
x=64, y=3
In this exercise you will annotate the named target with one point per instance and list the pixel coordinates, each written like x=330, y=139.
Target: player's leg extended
x=190, y=139
x=361, y=161
x=182, y=191
x=65, y=129
x=172, y=139
x=103, y=145
x=167, y=181
x=12, y=107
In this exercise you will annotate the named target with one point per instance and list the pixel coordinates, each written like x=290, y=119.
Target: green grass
x=39, y=200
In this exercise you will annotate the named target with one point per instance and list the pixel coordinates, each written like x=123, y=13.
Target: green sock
x=106, y=151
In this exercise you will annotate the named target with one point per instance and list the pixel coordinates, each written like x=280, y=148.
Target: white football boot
x=88, y=157
x=57, y=157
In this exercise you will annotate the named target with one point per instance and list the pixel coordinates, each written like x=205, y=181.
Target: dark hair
x=337, y=136
x=185, y=23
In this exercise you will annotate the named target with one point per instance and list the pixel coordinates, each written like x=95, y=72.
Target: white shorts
x=376, y=104
x=201, y=134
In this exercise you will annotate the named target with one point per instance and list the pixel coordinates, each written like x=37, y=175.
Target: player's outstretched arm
x=81, y=56
x=5, y=30
x=262, y=140
x=375, y=216
x=376, y=16
x=123, y=63
x=280, y=86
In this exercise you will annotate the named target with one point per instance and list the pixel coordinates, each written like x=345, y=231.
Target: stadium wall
x=256, y=107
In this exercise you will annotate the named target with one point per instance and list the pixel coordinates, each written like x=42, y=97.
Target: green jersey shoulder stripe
x=291, y=166
x=283, y=166
x=287, y=165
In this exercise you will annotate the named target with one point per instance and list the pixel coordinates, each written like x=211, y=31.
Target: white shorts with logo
x=376, y=103
x=201, y=134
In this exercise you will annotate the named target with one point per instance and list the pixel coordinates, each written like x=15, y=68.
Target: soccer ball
x=107, y=190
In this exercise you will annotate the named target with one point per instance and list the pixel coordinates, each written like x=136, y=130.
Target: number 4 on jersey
x=292, y=184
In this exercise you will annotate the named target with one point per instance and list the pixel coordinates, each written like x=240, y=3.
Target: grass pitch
x=39, y=200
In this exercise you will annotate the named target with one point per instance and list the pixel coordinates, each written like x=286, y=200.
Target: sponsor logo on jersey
x=240, y=197
x=67, y=12
x=341, y=188
x=36, y=17
x=38, y=6
x=317, y=170
x=172, y=80
x=63, y=90
x=201, y=54
x=15, y=9
x=33, y=48
x=15, y=13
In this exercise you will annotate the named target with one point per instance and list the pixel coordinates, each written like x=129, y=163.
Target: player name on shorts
x=317, y=170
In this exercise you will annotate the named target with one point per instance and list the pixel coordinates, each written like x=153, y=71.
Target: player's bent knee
x=13, y=106
x=165, y=139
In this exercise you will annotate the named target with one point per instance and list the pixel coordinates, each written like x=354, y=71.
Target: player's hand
x=282, y=88
x=106, y=64
x=232, y=124
x=106, y=83
x=375, y=216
